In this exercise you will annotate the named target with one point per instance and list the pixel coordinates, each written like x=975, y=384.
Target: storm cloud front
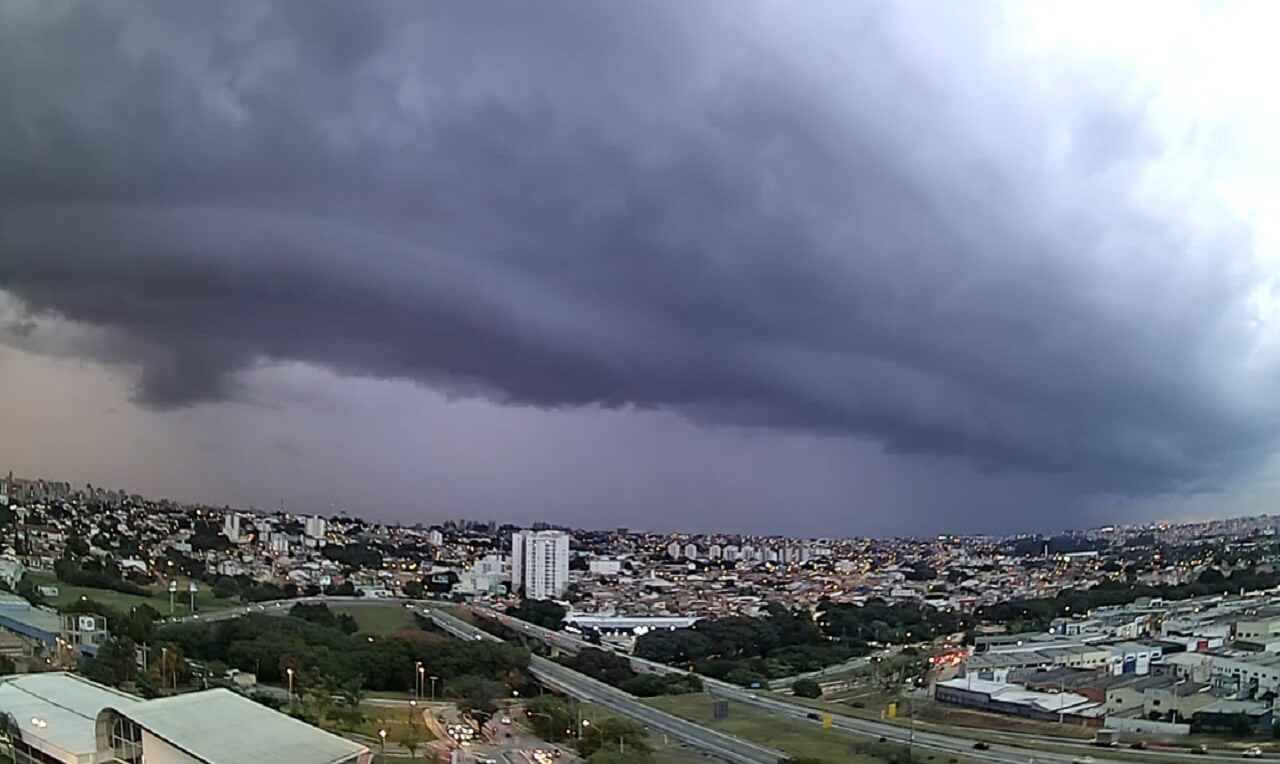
x=967, y=262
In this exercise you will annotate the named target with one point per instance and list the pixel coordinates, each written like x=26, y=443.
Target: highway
x=957, y=742
x=585, y=688
x=951, y=742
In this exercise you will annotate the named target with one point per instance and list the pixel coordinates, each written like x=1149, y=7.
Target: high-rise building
x=540, y=563
x=315, y=527
x=231, y=526
x=691, y=551
x=674, y=550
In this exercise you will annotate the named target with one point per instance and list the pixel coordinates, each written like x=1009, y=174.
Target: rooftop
x=57, y=710
x=198, y=723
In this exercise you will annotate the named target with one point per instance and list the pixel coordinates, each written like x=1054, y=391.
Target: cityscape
x=1156, y=639
x=726, y=382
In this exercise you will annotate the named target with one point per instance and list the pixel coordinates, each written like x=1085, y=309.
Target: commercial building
x=489, y=575
x=540, y=563
x=1014, y=700
x=1261, y=631
x=605, y=567
x=61, y=718
x=1235, y=716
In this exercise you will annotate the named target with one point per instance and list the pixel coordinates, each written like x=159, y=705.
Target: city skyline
x=834, y=270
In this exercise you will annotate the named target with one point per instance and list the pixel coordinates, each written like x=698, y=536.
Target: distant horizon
x=630, y=528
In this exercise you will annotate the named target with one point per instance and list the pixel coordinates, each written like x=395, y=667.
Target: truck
x=1107, y=738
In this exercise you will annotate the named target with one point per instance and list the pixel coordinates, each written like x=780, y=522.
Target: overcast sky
x=820, y=268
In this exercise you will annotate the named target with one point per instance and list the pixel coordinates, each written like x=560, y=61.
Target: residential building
x=315, y=527
x=540, y=563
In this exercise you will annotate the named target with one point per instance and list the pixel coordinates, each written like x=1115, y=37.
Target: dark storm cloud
x=853, y=220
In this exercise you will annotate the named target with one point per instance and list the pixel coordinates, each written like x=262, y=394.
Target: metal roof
x=221, y=727
x=56, y=711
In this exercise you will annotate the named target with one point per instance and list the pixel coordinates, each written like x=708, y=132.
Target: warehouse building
x=59, y=718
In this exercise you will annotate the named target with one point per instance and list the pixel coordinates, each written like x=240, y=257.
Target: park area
x=381, y=618
x=68, y=594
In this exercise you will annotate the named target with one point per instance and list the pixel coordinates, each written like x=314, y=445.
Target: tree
x=550, y=717
x=114, y=664
x=806, y=688
x=745, y=678
x=614, y=733
x=319, y=692
x=413, y=590
x=173, y=666
x=139, y=624
x=475, y=695
x=544, y=613
x=226, y=588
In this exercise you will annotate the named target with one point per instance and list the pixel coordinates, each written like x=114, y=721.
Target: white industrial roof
x=220, y=727
x=63, y=707
x=1011, y=693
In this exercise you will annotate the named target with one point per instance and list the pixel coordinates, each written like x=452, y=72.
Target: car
x=1200, y=749
x=506, y=720
x=482, y=759
x=812, y=716
x=1141, y=745
x=981, y=746
x=1252, y=752
x=1082, y=760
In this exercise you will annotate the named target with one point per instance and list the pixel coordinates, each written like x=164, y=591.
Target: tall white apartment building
x=315, y=527
x=540, y=563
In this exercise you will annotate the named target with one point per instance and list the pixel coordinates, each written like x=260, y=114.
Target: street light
x=433, y=687
x=289, y=671
x=382, y=745
x=413, y=710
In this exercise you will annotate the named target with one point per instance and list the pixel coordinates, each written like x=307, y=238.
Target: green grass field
x=67, y=594
x=793, y=736
x=378, y=619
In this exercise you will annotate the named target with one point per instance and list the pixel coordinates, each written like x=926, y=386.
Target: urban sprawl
x=123, y=616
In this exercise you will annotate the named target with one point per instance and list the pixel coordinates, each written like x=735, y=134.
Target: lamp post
x=433, y=687
x=382, y=745
x=417, y=679
x=289, y=673
x=413, y=711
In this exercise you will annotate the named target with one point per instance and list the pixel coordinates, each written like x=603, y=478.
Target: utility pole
x=911, y=734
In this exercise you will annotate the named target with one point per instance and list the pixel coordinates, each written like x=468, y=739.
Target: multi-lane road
x=952, y=741
x=585, y=688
